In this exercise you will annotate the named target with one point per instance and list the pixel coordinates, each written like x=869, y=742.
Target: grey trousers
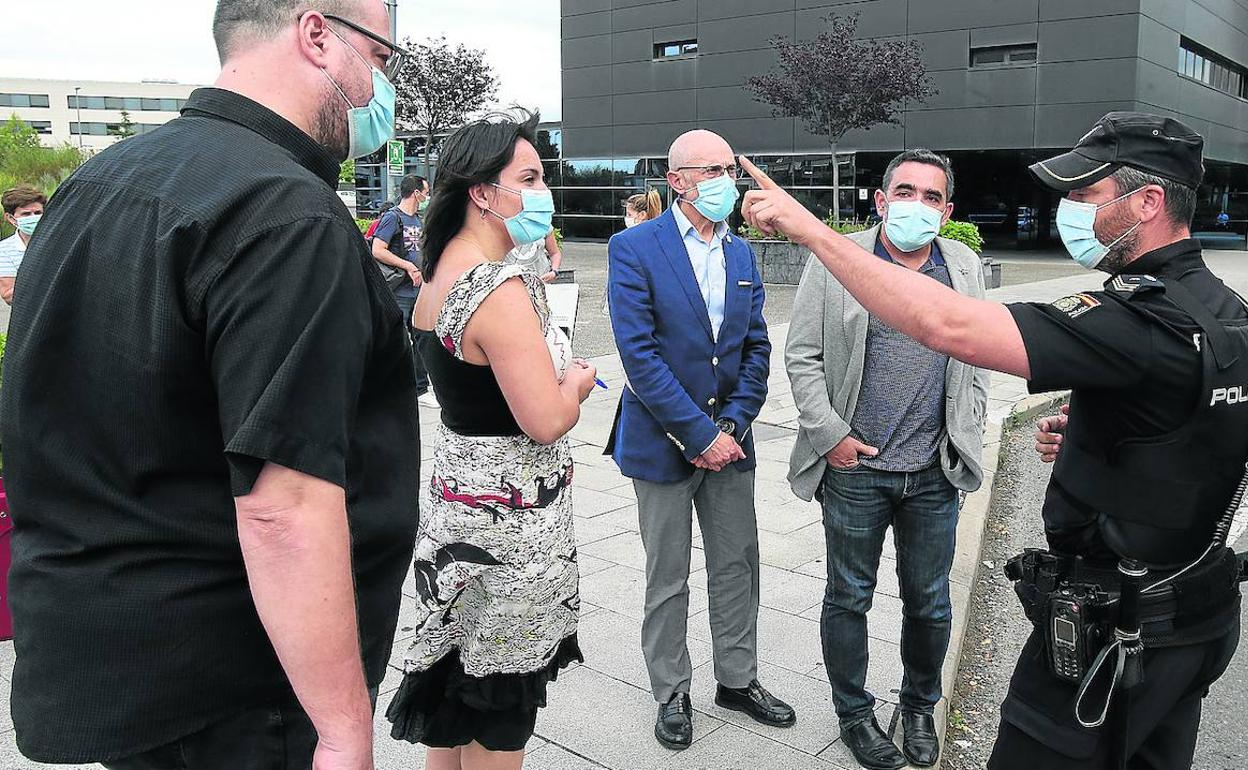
x=725, y=506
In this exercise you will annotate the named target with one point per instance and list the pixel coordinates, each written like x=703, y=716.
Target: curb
x=971, y=522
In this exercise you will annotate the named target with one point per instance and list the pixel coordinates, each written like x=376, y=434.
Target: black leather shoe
x=871, y=747
x=919, y=744
x=674, y=727
x=758, y=703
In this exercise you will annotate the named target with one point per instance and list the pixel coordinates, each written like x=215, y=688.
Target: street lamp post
x=78, y=107
x=392, y=7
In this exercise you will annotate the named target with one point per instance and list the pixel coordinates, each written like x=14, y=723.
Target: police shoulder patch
x=1132, y=284
x=1076, y=304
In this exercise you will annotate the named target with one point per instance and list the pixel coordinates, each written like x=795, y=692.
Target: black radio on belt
x=1073, y=637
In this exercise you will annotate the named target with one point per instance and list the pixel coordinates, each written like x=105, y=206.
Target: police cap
x=1157, y=145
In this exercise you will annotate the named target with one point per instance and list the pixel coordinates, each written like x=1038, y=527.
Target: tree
x=440, y=86
x=125, y=129
x=346, y=171
x=23, y=160
x=836, y=83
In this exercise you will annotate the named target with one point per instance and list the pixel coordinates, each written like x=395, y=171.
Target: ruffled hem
x=425, y=696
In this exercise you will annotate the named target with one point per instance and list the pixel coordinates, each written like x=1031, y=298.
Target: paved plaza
x=601, y=713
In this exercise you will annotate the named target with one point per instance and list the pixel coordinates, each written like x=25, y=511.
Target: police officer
x=1154, y=449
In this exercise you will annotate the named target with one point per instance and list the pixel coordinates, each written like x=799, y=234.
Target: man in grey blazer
x=889, y=431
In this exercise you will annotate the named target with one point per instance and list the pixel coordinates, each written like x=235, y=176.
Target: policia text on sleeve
x=1138, y=573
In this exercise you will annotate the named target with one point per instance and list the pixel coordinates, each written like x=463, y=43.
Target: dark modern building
x=1017, y=79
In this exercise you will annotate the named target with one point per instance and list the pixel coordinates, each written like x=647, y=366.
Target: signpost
x=395, y=152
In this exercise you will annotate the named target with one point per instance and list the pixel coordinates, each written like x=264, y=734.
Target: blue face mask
x=716, y=198
x=26, y=224
x=1076, y=224
x=912, y=225
x=371, y=126
x=533, y=222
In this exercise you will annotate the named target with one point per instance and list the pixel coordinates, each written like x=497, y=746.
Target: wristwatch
x=727, y=426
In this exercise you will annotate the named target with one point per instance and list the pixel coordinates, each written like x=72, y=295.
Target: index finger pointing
x=761, y=178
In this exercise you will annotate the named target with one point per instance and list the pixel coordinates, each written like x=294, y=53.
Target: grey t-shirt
x=901, y=405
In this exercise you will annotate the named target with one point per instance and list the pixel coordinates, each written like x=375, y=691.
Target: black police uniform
x=1154, y=449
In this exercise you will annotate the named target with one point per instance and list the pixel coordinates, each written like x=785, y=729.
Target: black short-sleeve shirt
x=1130, y=376
x=197, y=303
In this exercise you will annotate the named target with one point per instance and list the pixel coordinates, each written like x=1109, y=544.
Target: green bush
x=363, y=225
x=964, y=232
x=844, y=228
x=24, y=161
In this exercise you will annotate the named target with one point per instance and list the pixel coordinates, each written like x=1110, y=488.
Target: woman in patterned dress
x=495, y=562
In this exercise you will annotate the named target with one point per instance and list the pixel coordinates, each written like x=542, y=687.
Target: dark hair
x=927, y=157
x=265, y=19
x=22, y=195
x=1180, y=199
x=411, y=184
x=475, y=154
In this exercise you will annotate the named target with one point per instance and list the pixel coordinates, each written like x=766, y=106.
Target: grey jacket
x=824, y=358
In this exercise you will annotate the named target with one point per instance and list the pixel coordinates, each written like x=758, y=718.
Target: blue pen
x=601, y=384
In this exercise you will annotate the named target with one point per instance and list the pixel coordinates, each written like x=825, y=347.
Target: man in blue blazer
x=687, y=309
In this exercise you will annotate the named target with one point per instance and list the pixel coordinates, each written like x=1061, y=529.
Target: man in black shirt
x=210, y=424
x=1155, y=445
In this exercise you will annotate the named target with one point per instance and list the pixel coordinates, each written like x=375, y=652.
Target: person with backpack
x=396, y=245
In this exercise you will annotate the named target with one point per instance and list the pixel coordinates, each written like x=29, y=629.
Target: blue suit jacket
x=682, y=380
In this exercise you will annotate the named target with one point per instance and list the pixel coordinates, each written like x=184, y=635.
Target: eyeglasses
x=394, y=62
x=710, y=172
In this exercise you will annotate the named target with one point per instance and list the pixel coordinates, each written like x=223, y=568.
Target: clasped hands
x=724, y=451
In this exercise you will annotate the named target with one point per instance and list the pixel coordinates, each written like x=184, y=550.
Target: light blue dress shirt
x=709, y=267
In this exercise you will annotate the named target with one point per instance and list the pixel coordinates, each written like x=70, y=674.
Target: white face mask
x=629, y=222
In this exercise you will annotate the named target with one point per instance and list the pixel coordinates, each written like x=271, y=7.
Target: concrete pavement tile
x=626, y=548
x=792, y=549
x=598, y=478
x=587, y=503
x=7, y=659
x=6, y=717
x=811, y=698
x=595, y=529
x=612, y=646
x=591, y=455
x=623, y=590
x=590, y=565
x=390, y=683
x=12, y=759
x=608, y=721
x=550, y=756
x=773, y=460
x=788, y=591
x=784, y=640
x=735, y=748
x=787, y=517
x=623, y=519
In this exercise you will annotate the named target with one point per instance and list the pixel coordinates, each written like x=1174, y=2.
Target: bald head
x=699, y=147
x=238, y=23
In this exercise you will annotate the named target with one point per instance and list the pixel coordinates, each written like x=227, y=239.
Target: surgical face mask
x=371, y=126
x=533, y=221
x=911, y=225
x=424, y=204
x=1076, y=224
x=26, y=224
x=630, y=222
x=716, y=198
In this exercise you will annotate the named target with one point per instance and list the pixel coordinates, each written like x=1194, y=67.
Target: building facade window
x=1203, y=65
x=676, y=49
x=24, y=100
x=43, y=127
x=127, y=103
x=107, y=129
x=1003, y=55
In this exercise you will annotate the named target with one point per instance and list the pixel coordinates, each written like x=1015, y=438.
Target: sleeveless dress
x=495, y=561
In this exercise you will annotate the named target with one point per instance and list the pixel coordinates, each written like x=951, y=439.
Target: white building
x=87, y=113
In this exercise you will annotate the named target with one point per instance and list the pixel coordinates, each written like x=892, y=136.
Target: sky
x=172, y=39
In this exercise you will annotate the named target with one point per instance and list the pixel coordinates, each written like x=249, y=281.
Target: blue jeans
x=406, y=303
x=858, y=506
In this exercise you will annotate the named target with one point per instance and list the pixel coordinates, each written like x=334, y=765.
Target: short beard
x=329, y=125
x=1124, y=252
